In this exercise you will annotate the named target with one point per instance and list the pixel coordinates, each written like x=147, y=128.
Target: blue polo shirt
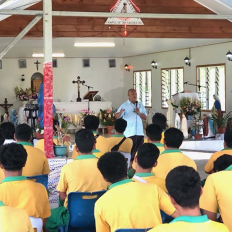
x=134, y=122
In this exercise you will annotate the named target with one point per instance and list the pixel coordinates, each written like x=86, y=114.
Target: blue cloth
x=134, y=122
x=217, y=105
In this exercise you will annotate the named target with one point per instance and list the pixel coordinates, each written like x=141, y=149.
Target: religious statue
x=78, y=82
x=124, y=9
x=177, y=121
x=170, y=113
x=216, y=106
x=184, y=126
x=5, y=118
x=14, y=117
x=205, y=123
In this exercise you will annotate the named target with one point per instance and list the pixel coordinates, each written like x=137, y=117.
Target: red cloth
x=206, y=127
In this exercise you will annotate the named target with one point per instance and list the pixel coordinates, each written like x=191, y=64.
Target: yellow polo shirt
x=191, y=224
x=210, y=164
x=40, y=144
x=160, y=146
x=217, y=195
x=18, y=192
x=170, y=159
x=150, y=178
x=102, y=146
x=81, y=175
x=37, y=163
x=162, y=138
x=128, y=204
x=13, y=220
x=126, y=145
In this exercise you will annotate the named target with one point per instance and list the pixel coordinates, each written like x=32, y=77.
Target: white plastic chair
x=37, y=223
x=128, y=157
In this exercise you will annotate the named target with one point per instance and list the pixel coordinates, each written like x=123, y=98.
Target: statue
x=184, y=126
x=170, y=113
x=217, y=106
x=14, y=117
x=205, y=123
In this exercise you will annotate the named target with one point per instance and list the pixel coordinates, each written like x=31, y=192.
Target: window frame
x=146, y=70
x=161, y=82
x=211, y=65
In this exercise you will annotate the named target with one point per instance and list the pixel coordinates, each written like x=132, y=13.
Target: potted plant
x=197, y=129
x=107, y=118
x=220, y=121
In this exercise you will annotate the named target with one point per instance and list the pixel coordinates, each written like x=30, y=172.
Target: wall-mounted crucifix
x=78, y=82
x=37, y=64
x=6, y=106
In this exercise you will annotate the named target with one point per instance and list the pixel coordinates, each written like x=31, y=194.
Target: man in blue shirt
x=133, y=112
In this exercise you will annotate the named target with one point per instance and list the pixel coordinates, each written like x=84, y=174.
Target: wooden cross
x=6, y=106
x=78, y=82
x=37, y=64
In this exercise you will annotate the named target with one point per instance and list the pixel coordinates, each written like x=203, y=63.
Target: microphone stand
x=89, y=87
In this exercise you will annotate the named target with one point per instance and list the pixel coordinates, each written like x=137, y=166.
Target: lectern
x=90, y=95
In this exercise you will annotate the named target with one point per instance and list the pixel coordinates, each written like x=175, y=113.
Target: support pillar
x=48, y=78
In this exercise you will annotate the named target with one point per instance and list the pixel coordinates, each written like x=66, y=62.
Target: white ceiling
x=124, y=47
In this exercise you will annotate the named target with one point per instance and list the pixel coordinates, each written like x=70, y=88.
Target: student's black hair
x=154, y=132
x=173, y=137
x=55, y=123
x=120, y=125
x=113, y=166
x=13, y=156
x=228, y=138
x=85, y=140
x=23, y=132
x=2, y=139
x=147, y=155
x=8, y=130
x=160, y=119
x=91, y=122
x=184, y=186
x=222, y=163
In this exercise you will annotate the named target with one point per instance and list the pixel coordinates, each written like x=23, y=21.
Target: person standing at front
x=134, y=113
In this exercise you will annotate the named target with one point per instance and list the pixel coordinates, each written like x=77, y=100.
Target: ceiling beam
x=118, y=15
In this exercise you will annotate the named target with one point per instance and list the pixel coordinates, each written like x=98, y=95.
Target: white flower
x=37, y=130
x=42, y=132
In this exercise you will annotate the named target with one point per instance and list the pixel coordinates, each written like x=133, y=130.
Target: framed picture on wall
x=22, y=63
x=0, y=64
x=86, y=63
x=112, y=63
x=54, y=63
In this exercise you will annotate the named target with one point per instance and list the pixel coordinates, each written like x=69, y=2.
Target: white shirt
x=7, y=141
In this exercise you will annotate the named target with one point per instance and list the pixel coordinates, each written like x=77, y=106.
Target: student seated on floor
x=81, y=175
x=153, y=134
x=218, y=191
x=102, y=146
x=16, y=190
x=128, y=204
x=13, y=219
x=184, y=188
x=120, y=127
x=227, y=150
x=7, y=129
x=145, y=160
x=37, y=163
x=40, y=143
x=172, y=156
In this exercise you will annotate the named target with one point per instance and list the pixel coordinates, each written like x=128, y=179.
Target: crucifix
x=78, y=82
x=37, y=64
x=6, y=106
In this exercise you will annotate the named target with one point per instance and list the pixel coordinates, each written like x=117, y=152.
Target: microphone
x=186, y=82
x=136, y=104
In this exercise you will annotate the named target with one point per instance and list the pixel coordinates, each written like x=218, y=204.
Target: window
x=172, y=83
x=142, y=85
x=212, y=80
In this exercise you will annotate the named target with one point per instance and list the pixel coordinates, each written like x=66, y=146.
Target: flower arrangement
x=190, y=106
x=64, y=120
x=198, y=126
x=107, y=117
x=24, y=95
x=84, y=113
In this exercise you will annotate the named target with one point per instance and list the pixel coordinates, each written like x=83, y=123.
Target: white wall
x=108, y=81
x=212, y=54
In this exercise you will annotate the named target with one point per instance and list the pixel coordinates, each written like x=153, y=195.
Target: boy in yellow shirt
x=16, y=190
x=218, y=191
x=145, y=160
x=184, y=187
x=102, y=145
x=13, y=219
x=172, y=156
x=227, y=150
x=128, y=204
x=120, y=127
x=81, y=175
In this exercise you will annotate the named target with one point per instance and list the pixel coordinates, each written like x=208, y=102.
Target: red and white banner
x=48, y=110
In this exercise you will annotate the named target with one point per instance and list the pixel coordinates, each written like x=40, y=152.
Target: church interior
x=175, y=54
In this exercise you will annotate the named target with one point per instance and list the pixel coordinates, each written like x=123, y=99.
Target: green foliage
x=220, y=120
